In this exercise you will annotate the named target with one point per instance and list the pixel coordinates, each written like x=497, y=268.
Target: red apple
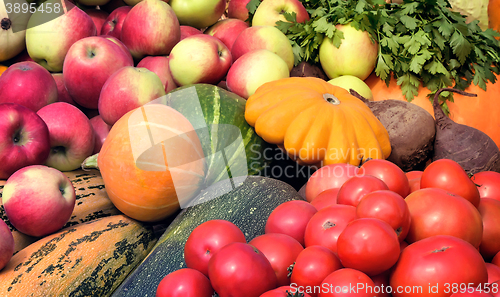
x=199, y=59
x=128, y=89
x=271, y=11
x=151, y=28
x=159, y=65
x=113, y=24
x=120, y=44
x=187, y=31
x=62, y=92
x=88, y=64
x=237, y=9
x=6, y=244
x=98, y=17
x=28, y=84
x=24, y=139
x=227, y=30
x=101, y=131
x=71, y=135
x=38, y=200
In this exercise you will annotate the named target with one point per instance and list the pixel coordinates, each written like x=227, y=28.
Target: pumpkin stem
x=90, y=163
x=331, y=99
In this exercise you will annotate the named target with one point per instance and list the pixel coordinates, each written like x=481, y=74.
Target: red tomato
x=472, y=293
x=281, y=250
x=381, y=282
x=437, y=212
x=368, y=245
x=185, y=282
x=206, y=239
x=389, y=173
x=490, y=212
x=402, y=245
x=414, y=184
x=414, y=174
x=494, y=289
x=448, y=175
x=290, y=218
x=353, y=190
x=488, y=184
x=326, y=225
x=325, y=198
x=239, y=269
x=389, y=207
x=496, y=260
x=439, y=265
x=493, y=273
x=313, y=264
x=347, y=282
x=284, y=291
x=329, y=177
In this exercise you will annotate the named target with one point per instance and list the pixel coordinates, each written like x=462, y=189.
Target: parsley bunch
x=421, y=42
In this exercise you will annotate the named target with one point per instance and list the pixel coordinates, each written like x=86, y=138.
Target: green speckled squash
x=247, y=206
x=90, y=259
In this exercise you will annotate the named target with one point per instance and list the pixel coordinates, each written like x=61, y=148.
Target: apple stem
x=90, y=163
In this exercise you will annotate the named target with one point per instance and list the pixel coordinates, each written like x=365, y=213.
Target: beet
x=471, y=148
x=305, y=69
x=411, y=131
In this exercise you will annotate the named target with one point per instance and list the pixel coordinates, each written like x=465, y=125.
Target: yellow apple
x=353, y=82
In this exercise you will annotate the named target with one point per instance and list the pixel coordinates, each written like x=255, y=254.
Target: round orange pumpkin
x=2, y=69
x=316, y=123
x=134, y=162
x=494, y=14
x=480, y=112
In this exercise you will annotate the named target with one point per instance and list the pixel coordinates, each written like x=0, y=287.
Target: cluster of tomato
x=367, y=231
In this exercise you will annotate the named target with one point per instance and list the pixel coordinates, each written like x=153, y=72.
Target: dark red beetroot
x=471, y=148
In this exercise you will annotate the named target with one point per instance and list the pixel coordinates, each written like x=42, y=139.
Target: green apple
x=49, y=36
x=357, y=55
x=198, y=13
x=271, y=11
x=353, y=82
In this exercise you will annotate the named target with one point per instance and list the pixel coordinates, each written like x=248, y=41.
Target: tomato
x=471, y=293
x=389, y=173
x=488, y=184
x=496, y=260
x=490, y=213
x=389, y=207
x=494, y=289
x=206, y=239
x=448, y=175
x=329, y=177
x=353, y=190
x=368, y=245
x=326, y=225
x=414, y=174
x=290, y=218
x=325, y=198
x=381, y=282
x=414, y=184
x=284, y=291
x=437, y=212
x=402, y=245
x=493, y=273
x=347, y=282
x=439, y=264
x=313, y=264
x=239, y=269
x=185, y=282
x=281, y=250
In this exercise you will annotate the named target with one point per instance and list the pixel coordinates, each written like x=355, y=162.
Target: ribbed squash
x=150, y=159
x=90, y=259
x=92, y=203
x=316, y=123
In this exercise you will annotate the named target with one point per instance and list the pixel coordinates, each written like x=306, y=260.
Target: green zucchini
x=247, y=206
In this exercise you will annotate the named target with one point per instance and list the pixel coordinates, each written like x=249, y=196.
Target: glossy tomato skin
x=185, y=282
x=437, y=264
x=353, y=190
x=239, y=269
x=326, y=225
x=283, y=292
x=329, y=177
x=488, y=184
x=448, y=175
x=368, y=245
x=490, y=213
x=291, y=218
x=389, y=173
x=347, y=282
x=326, y=198
x=281, y=250
x=435, y=211
x=389, y=207
x=313, y=264
x=493, y=273
x=206, y=239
